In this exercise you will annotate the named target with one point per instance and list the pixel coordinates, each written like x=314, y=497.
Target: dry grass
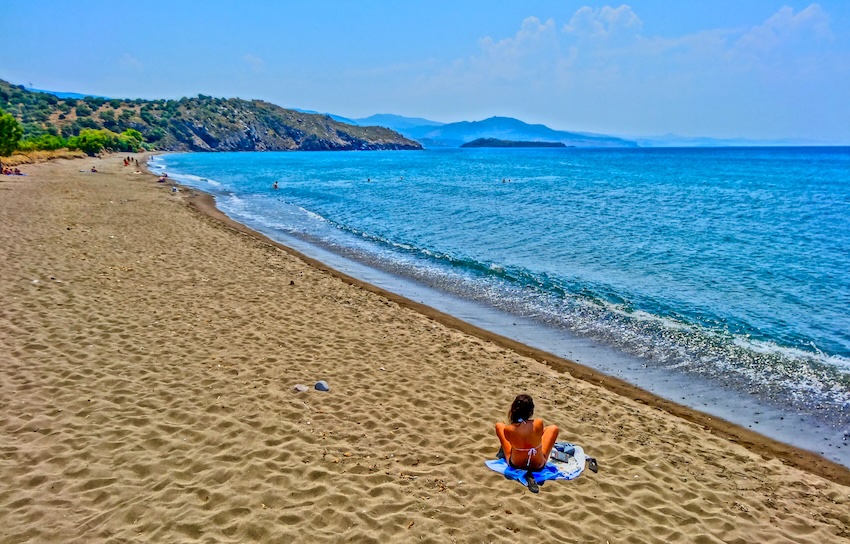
x=31, y=157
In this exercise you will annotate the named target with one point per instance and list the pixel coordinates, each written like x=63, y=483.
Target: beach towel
x=553, y=470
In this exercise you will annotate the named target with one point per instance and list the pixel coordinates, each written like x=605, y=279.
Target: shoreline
x=150, y=353
x=758, y=443
x=798, y=457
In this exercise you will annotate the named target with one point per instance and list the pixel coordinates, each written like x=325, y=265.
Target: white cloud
x=256, y=63
x=534, y=46
x=785, y=27
x=604, y=22
x=130, y=63
x=600, y=72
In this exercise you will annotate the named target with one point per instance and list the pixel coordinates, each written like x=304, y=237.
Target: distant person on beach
x=94, y=169
x=526, y=443
x=162, y=178
x=274, y=186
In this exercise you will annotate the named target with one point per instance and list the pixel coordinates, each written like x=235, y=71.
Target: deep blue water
x=728, y=264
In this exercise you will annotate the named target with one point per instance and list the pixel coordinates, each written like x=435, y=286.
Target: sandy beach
x=149, y=351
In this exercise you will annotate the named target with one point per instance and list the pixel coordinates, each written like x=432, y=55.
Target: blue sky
x=719, y=68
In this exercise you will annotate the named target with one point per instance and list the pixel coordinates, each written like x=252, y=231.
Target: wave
x=659, y=335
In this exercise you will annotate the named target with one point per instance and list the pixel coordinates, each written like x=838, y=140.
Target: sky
x=760, y=69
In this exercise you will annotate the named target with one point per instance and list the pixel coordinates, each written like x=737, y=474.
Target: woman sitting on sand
x=526, y=443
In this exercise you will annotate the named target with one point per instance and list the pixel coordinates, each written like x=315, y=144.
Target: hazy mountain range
x=432, y=134
x=436, y=134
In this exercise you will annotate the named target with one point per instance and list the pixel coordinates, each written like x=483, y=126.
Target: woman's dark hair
x=522, y=409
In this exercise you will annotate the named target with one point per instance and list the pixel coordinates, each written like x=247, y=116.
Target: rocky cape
x=494, y=142
x=201, y=123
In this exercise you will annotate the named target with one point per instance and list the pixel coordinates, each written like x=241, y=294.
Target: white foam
x=195, y=181
x=770, y=348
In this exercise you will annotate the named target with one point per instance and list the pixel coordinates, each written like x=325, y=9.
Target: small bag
x=563, y=451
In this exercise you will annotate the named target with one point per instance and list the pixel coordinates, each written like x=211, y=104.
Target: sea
x=718, y=278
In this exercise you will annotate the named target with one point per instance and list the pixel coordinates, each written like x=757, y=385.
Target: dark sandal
x=532, y=483
x=591, y=464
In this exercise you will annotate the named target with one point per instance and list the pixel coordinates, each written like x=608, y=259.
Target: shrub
x=32, y=130
x=91, y=141
x=94, y=102
x=147, y=117
x=43, y=142
x=108, y=117
x=10, y=134
x=155, y=134
x=130, y=140
x=85, y=122
x=83, y=110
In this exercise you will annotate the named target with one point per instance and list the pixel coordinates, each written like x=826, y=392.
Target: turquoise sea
x=719, y=278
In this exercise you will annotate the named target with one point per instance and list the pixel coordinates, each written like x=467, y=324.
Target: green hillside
x=201, y=123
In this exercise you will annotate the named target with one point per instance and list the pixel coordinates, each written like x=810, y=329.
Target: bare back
x=525, y=444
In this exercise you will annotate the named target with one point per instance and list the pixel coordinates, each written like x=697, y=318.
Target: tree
x=10, y=134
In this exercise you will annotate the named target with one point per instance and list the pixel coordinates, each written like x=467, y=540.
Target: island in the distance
x=495, y=142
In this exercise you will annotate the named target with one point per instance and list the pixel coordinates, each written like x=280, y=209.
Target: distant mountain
x=672, y=140
x=396, y=122
x=67, y=95
x=335, y=117
x=506, y=128
x=201, y=123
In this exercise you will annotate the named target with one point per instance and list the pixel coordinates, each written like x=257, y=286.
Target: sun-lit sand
x=149, y=352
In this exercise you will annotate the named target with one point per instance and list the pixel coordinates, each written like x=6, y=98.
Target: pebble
x=322, y=385
x=301, y=388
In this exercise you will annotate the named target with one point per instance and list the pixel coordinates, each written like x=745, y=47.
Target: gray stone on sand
x=301, y=388
x=322, y=385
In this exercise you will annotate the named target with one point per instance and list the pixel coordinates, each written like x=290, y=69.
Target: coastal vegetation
x=201, y=123
x=10, y=134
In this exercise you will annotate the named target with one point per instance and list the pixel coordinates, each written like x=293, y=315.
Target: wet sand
x=149, y=348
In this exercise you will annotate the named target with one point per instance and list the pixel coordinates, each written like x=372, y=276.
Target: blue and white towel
x=553, y=470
